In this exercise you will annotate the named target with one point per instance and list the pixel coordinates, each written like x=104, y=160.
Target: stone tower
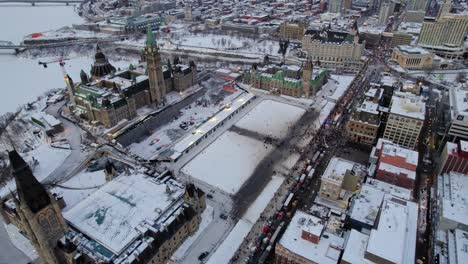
x=155, y=74
x=39, y=213
x=306, y=78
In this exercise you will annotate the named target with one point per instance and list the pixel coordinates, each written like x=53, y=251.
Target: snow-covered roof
x=464, y=145
x=355, y=249
x=397, y=170
x=410, y=156
x=390, y=189
x=408, y=107
x=336, y=170
x=412, y=50
x=114, y=214
x=395, y=236
x=461, y=245
x=458, y=102
x=454, y=197
x=328, y=249
x=373, y=91
x=369, y=107
x=366, y=205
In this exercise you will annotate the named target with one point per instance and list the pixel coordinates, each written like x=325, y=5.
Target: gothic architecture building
x=287, y=79
x=335, y=49
x=133, y=218
x=109, y=96
x=35, y=212
x=157, y=86
x=101, y=66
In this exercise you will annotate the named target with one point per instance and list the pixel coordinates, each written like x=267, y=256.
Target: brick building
x=454, y=157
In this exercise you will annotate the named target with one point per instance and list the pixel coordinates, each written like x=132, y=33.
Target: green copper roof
x=150, y=39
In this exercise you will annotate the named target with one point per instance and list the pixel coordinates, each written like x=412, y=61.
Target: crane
x=66, y=77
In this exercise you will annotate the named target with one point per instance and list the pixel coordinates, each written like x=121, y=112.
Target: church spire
x=30, y=190
x=150, y=39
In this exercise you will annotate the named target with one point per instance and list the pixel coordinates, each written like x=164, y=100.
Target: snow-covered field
x=229, y=246
x=48, y=160
x=228, y=162
x=225, y=42
x=271, y=118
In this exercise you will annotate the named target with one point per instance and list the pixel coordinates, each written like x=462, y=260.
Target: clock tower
x=39, y=214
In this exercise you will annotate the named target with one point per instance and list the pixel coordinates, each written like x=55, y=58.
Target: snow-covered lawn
x=80, y=186
x=229, y=246
x=271, y=118
x=48, y=160
x=224, y=42
x=206, y=218
x=228, y=162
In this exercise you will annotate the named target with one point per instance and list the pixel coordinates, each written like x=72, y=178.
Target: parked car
x=203, y=255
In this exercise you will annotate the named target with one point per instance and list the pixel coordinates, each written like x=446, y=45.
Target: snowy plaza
x=230, y=160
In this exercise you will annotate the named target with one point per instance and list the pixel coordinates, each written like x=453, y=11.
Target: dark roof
x=30, y=190
x=328, y=35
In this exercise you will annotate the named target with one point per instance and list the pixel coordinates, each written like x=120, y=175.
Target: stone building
x=335, y=49
x=412, y=58
x=287, y=79
x=134, y=218
x=35, y=212
x=109, y=97
x=290, y=30
x=101, y=66
x=364, y=123
x=157, y=87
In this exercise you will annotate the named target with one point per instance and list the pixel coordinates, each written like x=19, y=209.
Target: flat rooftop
x=111, y=215
x=408, y=107
x=397, y=225
x=391, y=189
x=327, y=251
x=356, y=246
x=452, y=188
x=369, y=107
x=336, y=169
x=366, y=205
x=412, y=50
x=410, y=156
x=458, y=102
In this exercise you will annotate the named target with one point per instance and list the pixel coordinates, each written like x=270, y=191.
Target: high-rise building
x=335, y=6
x=445, y=35
x=417, y=5
x=458, y=126
x=38, y=214
x=454, y=157
x=405, y=120
x=157, y=86
x=386, y=9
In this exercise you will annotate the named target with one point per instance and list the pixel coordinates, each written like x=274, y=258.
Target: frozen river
x=23, y=79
